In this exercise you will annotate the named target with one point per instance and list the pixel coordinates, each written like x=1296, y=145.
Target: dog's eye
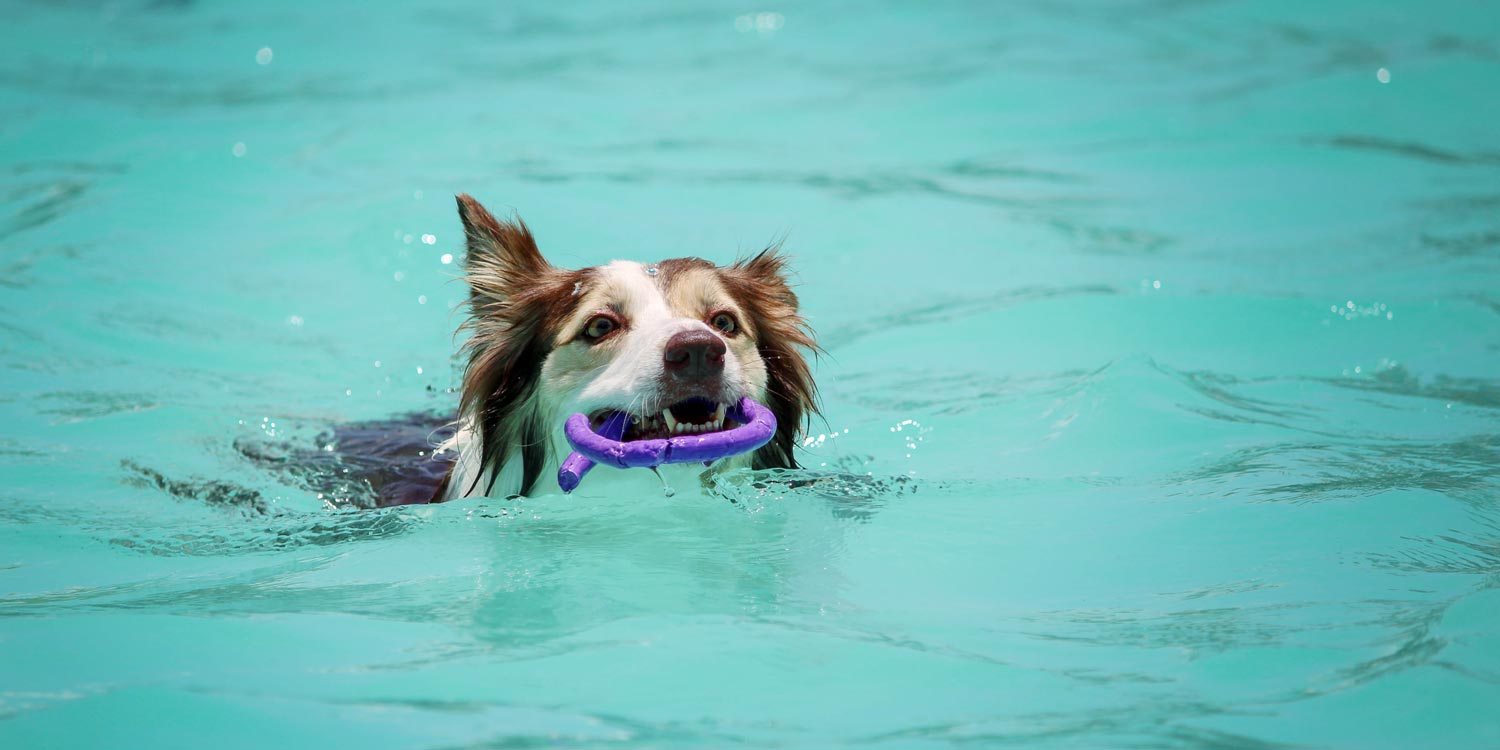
x=598, y=327
x=726, y=323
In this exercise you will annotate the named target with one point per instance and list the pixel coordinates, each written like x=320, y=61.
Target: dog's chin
x=695, y=415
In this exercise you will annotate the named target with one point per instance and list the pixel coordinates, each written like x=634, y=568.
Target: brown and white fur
x=681, y=331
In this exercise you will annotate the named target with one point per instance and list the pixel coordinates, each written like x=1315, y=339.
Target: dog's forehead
x=669, y=285
x=630, y=285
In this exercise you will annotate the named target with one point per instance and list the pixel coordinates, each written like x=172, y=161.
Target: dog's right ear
x=502, y=256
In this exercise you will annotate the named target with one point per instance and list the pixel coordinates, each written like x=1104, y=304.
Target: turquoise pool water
x=1166, y=334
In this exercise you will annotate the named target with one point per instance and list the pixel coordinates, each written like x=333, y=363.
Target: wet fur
x=518, y=305
x=516, y=301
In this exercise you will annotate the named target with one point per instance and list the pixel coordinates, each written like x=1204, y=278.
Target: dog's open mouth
x=694, y=416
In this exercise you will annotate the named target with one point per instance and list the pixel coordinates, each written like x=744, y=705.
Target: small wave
x=1482, y=244
x=1407, y=149
x=904, y=391
x=1328, y=471
x=848, y=491
x=80, y=406
x=290, y=531
x=1475, y=552
x=1397, y=380
x=954, y=309
x=40, y=203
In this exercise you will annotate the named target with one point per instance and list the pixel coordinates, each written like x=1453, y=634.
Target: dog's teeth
x=719, y=415
x=718, y=424
x=666, y=415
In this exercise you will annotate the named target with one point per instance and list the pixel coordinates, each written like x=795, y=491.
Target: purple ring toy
x=757, y=427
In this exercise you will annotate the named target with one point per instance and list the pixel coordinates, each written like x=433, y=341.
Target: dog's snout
x=694, y=355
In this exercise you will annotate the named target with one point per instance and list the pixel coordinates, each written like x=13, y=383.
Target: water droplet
x=447, y=258
x=666, y=489
x=263, y=57
x=1383, y=75
x=238, y=150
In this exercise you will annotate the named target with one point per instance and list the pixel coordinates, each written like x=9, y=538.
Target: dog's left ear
x=502, y=256
x=760, y=283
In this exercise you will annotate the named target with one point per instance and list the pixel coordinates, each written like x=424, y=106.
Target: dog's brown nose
x=694, y=355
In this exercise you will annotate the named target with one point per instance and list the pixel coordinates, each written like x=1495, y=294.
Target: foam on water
x=1160, y=396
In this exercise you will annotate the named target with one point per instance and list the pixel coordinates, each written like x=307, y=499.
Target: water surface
x=1164, y=335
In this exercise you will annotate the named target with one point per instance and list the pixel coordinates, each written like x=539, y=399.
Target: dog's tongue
x=757, y=427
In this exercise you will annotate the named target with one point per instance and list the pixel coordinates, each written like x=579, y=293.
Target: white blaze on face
x=624, y=371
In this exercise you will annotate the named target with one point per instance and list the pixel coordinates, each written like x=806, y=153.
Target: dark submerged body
x=373, y=464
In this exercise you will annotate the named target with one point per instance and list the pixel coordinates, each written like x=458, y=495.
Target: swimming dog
x=670, y=343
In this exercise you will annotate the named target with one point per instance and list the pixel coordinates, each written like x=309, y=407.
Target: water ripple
x=40, y=203
x=1397, y=380
x=1311, y=472
x=903, y=391
x=955, y=308
x=168, y=89
x=1483, y=243
x=1407, y=149
x=1474, y=552
x=80, y=406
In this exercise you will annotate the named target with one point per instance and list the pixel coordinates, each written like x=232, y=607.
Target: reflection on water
x=1160, y=375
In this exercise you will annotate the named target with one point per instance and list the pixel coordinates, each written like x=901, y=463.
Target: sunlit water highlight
x=1161, y=390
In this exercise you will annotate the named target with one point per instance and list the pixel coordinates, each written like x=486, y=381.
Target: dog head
x=671, y=343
